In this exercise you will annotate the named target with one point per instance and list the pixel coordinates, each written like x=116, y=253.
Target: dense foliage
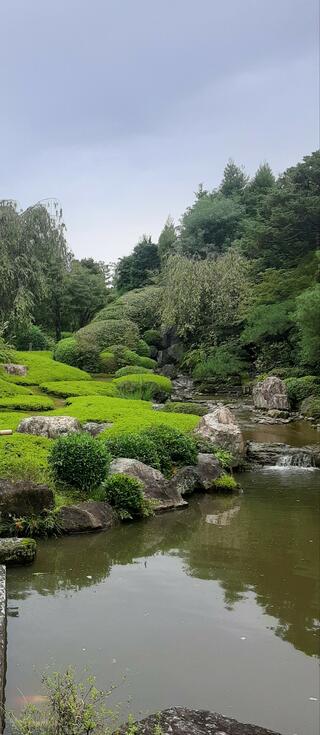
x=77, y=460
x=125, y=495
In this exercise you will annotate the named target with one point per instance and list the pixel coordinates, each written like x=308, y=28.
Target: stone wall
x=3, y=641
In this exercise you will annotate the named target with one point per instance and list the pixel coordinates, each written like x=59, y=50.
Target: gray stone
x=221, y=430
x=155, y=486
x=86, y=517
x=24, y=498
x=208, y=470
x=49, y=426
x=169, y=371
x=271, y=393
x=182, y=388
x=94, y=427
x=186, y=481
x=182, y=721
x=284, y=455
x=17, y=550
x=3, y=642
x=13, y=369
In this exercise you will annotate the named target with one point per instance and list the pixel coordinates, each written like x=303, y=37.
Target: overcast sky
x=120, y=108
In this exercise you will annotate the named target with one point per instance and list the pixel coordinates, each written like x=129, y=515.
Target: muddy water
x=215, y=606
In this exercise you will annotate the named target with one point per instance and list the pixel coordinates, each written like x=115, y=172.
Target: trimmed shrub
x=310, y=407
x=135, y=446
x=225, y=482
x=173, y=446
x=153, y=337
x=27, y=403
x=125, y=495
x=65, y=389
x=102, y=334
x=145, y=387
x=65, y=335
x=142, y=306
x=300, y=388
x=79, y=460
x=34, y=336
x=67, y=351
x=10, y=389
x=132, y=370
x=147, y=362
x=142, y=348
x=197, y=409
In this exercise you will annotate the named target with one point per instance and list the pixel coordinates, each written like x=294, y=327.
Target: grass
x=29, y=403
x=24, y=457
x=42, y=368
x=10, y=389
x=11, y=419
x=67, y=388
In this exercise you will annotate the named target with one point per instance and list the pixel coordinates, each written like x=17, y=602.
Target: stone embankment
x=182, y=721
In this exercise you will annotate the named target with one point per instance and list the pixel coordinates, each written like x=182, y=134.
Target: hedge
x=102, y=334
x=145, y=387
x=28, y=403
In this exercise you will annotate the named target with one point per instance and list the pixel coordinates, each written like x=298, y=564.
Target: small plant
x=44, y=524
x=79, y=460
x=173, y=446
x=226, y=482
x=135, y=446
x=143, y=348
x=204, y=446
x=125, y=494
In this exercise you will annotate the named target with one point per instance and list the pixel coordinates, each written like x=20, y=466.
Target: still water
x=215, y=606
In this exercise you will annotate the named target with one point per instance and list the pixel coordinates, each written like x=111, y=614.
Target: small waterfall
x=296, y=459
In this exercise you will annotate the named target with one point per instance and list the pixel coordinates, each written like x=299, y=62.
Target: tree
x=307, y=317
x=210, y=225
x=139, y=268
x=234, y=180
x=85, y=292
x=167, y=240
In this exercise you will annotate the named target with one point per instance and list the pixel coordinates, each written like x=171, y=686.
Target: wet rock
x=49, y=426
x=186, y=481
x=94, y=427
x=156, y=487
x=271, y=393
x=17, y=550
x=220, y=428
x=13, y=369
x=182, y=388
x=86, y=517
x=283, y=455
x=208, y=469
x=23, y=498
x=182, y=721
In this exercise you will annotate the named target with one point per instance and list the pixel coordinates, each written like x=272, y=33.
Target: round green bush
x=197, y=409
x=125, y=495
x=118, y=356
x=79, y=460
x=310, y=407
x=67, y=351
x=143, y=349
x=173, y=446
x=141, y=306
x=145, y=387
x=34, y=336
x=108, y=332
x=300, y=388
x=153, y=337
x=135, y=446
x=147, y=362
x=132, y=370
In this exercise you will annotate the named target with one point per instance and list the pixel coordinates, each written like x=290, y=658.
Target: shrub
x=147, y=362
x=142, y=306
x=300, y=388
x=118, y=356
x=108, y=362
x=65, y=335
x=79, y=460
x=108, y=332
x=44, y=524
x=132, y=370
x=10, y=389
x=42, y=368
x=6, y=351
x=125, y=494
x=311, y=407
x=65, y=389
x=197, y=409
x=173, y=446
x=27, y=403
x=34, y=336
x=220, y=362
x=226, y=482
x=142, y=348
x=135, y=446
x=145, y=387
x=66, y=351
x=153, y=337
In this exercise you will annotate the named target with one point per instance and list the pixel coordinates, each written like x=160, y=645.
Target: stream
x=215, y=606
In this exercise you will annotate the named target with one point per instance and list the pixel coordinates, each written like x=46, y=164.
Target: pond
x=215, y=607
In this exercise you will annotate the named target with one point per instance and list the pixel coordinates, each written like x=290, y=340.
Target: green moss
x=24, y=457
x=226, y=482
x=29, y=403
x=131, y=370
x=42, y=368
x=11, y=419
x=10, y=389
x=65, y=389
x=197, y=409
x=310, y=407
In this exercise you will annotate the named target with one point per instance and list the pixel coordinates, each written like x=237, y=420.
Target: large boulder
x=208, y=469
x=182, y=721
x=283, y=455
x=17, y=550
x=95, y=427
x=155, y=486
x=49, y=426
x=186, y=481
x=86, y=517
x=220, y=428
x=24, y=498
x=271, y=393
x=12, y=369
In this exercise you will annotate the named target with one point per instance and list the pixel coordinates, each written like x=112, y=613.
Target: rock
x=24, y=498
x=208, y=469
x=221, y=430
x=271, y=393
x=186, y=481
x=86, y=517
x=14, y=369
x=156, y=487
x=94, y=427
x=169, y=371
x=182, y=388
x=182, y=721
x=50, y=426
x=283, y=455
x=17, y=550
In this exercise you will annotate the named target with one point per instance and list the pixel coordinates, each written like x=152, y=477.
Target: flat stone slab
x=182, y=721
x=17, y=550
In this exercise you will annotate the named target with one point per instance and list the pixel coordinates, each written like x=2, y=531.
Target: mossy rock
x=17, y=550
x=310, y=407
